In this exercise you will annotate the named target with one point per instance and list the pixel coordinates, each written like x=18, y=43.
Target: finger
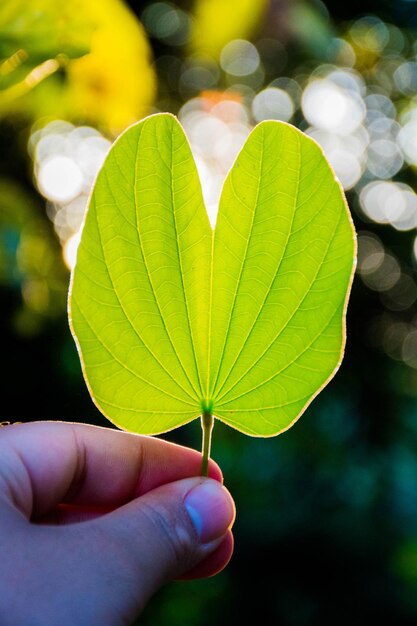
x=215, y=562
x=47, y=463
x=64, y=514
x=164, y=534
x=112, y=565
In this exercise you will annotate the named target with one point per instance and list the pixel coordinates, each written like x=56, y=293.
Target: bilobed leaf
x=247, y=323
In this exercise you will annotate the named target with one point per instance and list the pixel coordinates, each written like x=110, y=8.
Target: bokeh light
x=388, y=202
x=66, y=161
x=272, y=103
x=167, y=22
x=60, y=179
x=217, y=128
x=330, y=107
x=239, y=58
x=407, y=140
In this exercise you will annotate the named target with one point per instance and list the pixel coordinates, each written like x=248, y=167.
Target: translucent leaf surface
x=248, y=322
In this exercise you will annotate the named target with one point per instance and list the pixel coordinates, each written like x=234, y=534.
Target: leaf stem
x=207, y=422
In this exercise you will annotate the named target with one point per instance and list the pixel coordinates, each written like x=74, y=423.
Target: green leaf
x=248, y=323
x=283, y=260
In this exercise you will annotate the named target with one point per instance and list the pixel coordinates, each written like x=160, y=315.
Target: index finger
x=47, y=463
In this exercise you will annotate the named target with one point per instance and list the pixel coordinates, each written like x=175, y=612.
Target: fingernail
x=211, y=510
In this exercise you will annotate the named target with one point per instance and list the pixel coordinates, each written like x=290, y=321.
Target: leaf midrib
x=107, y=265
x=148, y=272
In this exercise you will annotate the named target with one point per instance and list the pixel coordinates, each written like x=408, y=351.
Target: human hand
x=93, y=521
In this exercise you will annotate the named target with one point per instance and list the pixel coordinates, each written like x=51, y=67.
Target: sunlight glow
x=66, y=162
x=328, y=106
x=60, y=179
x=69, y=251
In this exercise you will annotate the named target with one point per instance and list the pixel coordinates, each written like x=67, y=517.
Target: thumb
x=164, y=534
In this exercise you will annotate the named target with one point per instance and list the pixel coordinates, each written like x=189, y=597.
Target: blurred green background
x=326, y=530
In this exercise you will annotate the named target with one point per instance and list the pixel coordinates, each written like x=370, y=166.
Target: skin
x=93, y=521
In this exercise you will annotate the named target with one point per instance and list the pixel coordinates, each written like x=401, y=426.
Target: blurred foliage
x=310, y=23
x=44, y=29
x=329, y=507
x=84, y=61
x=217, y=22
x=30, y=260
